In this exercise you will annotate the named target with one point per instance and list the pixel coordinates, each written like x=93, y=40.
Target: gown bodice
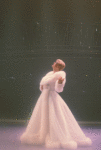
x=50, y=81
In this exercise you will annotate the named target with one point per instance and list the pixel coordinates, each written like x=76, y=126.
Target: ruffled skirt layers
x=52, y=124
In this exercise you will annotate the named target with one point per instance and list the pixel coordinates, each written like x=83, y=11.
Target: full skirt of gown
x=52, y=124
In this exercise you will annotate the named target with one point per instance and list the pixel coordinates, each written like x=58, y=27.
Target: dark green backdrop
x=33, y=34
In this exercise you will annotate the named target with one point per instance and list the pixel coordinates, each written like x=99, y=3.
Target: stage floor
x=9, y=138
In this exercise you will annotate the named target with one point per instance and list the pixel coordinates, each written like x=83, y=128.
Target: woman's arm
x=60, y=83
x=48, y=78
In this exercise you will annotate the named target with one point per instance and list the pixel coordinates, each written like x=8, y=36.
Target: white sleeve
x=59, y=87
x=48, y=78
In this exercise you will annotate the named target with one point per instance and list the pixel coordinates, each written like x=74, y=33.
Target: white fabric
x=52, y=123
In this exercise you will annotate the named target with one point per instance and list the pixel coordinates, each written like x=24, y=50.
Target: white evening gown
x=52, y=123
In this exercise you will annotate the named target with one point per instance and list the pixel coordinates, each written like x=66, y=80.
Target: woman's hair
x=60, y=64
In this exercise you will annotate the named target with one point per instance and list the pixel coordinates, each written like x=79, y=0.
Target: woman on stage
x=52, y=123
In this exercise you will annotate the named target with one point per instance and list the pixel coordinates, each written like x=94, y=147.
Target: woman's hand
x=60, y=80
